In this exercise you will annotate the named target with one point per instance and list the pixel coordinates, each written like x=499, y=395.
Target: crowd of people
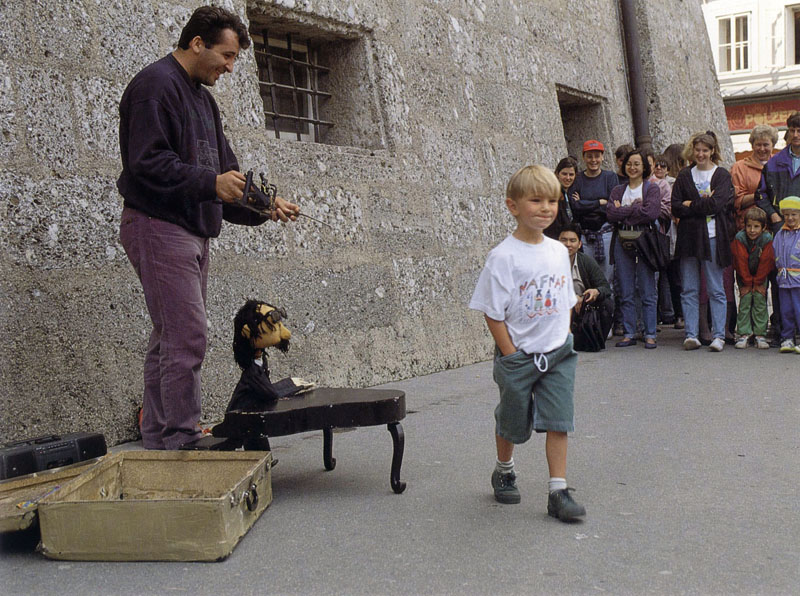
x=722, y=230
x=674, y=225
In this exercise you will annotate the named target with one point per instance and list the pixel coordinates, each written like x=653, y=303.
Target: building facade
x=398, y=123
x=756, y=47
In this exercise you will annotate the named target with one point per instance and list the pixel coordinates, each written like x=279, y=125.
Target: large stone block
x=60, y=31
x=55, y=223
x=50, y=131
x=127, y=37
x=97, y=102
x=8, y=115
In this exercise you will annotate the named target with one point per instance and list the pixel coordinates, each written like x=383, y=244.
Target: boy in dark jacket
x=753, y=259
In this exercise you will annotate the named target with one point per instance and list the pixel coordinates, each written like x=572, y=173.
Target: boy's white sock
x=557, y=484
x=505, y=467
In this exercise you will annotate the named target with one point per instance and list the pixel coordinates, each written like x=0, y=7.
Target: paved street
x=687, y=464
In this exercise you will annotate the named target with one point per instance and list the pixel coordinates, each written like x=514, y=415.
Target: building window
x=734, y=43
x=292, y=85
x=793, y=36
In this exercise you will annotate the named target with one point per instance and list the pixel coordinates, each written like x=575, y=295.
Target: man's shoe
x=717, y=345
x=560, y=504
x=741, y=343
x=618, y=330
x=762, y=343
x=505, y=487
x=624, y=343
x=679, y=323
x=787, y=346
x=691, y=343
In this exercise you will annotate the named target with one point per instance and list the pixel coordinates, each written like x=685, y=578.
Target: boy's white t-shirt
x=529, y=287
x=702, y=182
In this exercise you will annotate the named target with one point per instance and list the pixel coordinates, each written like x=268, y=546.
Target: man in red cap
x=590, y=194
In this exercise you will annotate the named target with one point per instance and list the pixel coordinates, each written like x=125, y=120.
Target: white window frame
x=792, y=13
x=740, y=51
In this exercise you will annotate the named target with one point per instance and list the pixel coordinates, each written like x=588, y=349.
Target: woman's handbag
x=653, y=247
x=628, y=238
x=587, y=331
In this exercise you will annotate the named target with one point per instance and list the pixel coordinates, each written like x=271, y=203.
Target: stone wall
x=456, y=95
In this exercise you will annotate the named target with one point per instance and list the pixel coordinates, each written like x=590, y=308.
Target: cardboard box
x=157, y=506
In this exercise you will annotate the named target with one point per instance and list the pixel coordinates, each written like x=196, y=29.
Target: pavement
x=686, y=462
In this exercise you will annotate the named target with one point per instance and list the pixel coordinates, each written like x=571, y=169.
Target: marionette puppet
x=256, y=327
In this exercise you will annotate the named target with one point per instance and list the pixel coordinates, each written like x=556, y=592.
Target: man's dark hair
x=793, y=121
x=209, y=22
x=573, y=227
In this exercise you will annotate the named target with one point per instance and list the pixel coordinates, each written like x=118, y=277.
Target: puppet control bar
x=261, y=198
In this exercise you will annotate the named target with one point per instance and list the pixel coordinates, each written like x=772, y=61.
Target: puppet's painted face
x=271, y=331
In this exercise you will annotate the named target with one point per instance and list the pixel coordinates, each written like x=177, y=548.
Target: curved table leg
x=327, y=449
x=398, y=439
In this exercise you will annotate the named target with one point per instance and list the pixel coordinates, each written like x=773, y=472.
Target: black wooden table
x=324, y=408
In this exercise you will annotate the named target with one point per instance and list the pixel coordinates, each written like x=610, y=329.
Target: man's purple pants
x=172, y=265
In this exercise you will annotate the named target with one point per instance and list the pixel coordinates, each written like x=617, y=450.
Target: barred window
x=292, y=85
x=317, y=78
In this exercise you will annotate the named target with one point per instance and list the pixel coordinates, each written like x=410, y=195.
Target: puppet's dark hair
x=249, y=315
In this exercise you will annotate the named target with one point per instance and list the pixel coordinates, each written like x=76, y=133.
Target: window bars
x=288, y=80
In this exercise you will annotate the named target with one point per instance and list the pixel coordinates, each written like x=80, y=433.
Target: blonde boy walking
x=525, y=292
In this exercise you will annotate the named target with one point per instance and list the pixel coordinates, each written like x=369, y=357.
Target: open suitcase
x=147, y=505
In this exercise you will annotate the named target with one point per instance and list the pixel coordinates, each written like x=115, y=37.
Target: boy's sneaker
x=560, y=504
x=505, y=487
x=717, y=344
x=762, y=343
x=788, y=347
x=741, y=343
x=691, y=343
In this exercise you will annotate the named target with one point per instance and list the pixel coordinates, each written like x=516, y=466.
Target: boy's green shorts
x=535, y=392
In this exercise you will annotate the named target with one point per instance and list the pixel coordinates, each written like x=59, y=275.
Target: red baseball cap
x=592, y=145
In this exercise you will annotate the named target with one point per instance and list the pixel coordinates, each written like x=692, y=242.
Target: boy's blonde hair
x=533, y=181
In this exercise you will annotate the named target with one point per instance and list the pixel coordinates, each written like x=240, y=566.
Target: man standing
x=780, y=178
x=590, y=193
x=179, y=180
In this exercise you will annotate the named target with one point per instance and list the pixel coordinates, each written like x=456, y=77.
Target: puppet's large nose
x=284, y=332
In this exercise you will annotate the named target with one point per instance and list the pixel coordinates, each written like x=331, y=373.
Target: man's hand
x=230, y=186
x=284, y=210
x=775, y=218
x=687, y=203
x=591, y=295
